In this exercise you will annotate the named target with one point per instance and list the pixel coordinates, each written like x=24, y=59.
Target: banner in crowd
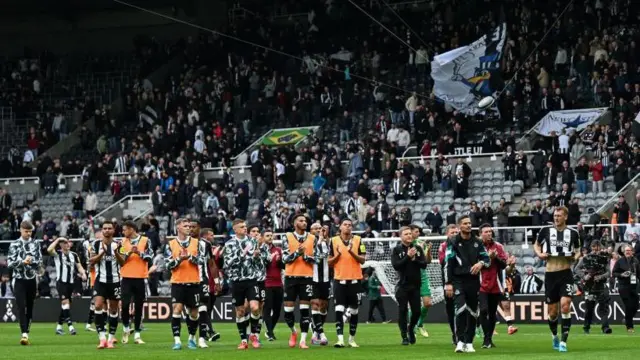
x=292, y=136
x=525, y=309
x=463, y=76
x=572, y=120
x=148, y=115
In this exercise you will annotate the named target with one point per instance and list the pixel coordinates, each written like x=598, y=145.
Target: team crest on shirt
x=475, y=245
x=95, y=293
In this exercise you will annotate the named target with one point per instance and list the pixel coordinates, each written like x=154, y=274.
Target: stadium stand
x=197, y=133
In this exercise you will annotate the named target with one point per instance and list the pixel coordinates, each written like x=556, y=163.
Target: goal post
x=379, y=259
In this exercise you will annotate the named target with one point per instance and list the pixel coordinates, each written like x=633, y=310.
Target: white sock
x=59, y=327
x=70, y=327
x=125, y=329
x=192, y=337
x=341, y=338
x=110, y=337
x=303, y=337
x=351, y=338
x=25, y=335
x=136, y=335
x=176, y=340
x=102, y=336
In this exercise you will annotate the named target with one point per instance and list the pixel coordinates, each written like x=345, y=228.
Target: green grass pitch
x=377, y=342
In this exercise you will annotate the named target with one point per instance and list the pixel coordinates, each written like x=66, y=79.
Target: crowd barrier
x=526, y=309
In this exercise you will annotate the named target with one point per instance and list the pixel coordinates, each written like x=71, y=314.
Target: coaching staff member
x=24, y=260
x=408, y=259
x=465, y=257
x=627, y=270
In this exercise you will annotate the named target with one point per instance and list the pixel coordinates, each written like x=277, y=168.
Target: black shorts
x=558, y=284
x=186, y=294
x=242, y=291
x=347, y=293
x=321, y=290
x=298, y=288
x=133, y=288
x=65, y=290
x=205, y=292
x=107, y=291
x=262, y=291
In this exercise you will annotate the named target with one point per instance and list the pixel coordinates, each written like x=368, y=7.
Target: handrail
x=22, y=180
x=308, y=164
x=117, y=203
x=524, y=243
x=631, y=182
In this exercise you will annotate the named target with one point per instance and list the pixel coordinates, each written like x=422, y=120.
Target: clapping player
x=67, y=265
x=107, y=260
x=298, y=252
x=24, y=260
x=261, y=268
x=491, y=289
x=425, y=285
x=137, y=253
x=559, y=246
x=321, y=283
x=347, y=254
x=241, y=253
x=408, y=260
x=182, y=256
x=204, y=268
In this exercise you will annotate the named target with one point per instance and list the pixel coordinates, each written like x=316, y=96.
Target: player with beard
x=107, y=261
x=347, y=254
x=465, y=258
x=425, y=286
x=321, y=284
x=559, y=246
x=298, y=251
x=450, y=232
x=491, y=289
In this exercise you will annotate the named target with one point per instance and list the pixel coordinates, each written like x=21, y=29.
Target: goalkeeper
x=425, y=286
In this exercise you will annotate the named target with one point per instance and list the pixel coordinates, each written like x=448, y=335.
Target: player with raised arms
x=67, y=264
x=347, y=254
x=183, y=259
x=559, y=246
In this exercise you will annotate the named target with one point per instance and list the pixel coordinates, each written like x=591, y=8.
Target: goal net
x=379, y=259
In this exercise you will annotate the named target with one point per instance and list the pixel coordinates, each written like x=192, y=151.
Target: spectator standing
x=78, y=206
x=502, y=219
x=582, y=176
x=91, y=203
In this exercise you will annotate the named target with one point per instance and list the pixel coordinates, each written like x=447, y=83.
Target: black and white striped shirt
x=321, y=265
x=531, y=284
x=107, y=269
x=66, y=266
x=204, y=248
x=560, y=243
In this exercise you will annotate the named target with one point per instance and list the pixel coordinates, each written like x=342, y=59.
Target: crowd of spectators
x=212, y=110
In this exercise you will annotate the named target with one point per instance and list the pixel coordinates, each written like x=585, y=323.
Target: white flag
x=463, y=76
x=572, y=120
